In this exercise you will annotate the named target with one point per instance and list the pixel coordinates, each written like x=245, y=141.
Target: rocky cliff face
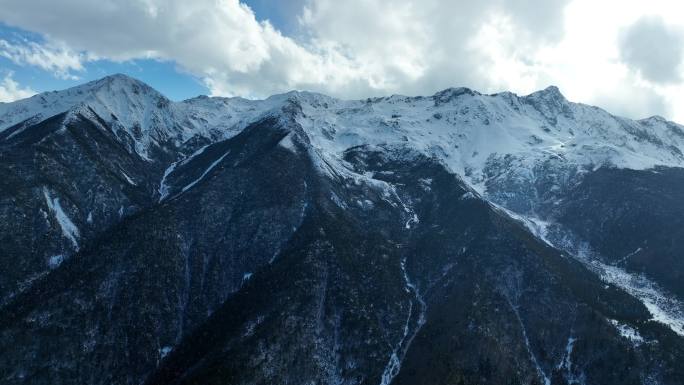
x=454, y=239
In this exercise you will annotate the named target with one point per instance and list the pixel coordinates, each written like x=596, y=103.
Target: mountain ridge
x=123, y=81
x=155, y=120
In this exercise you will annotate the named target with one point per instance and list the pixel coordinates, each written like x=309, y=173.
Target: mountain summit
x=458, y=238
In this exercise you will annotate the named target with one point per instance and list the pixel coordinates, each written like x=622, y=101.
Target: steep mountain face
x=67, y=177
x=63, y=180
x=454, y=239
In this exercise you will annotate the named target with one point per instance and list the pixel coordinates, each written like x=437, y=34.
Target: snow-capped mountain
x=136, y=113
x=541, y=124
x=458, y=238
x=463, y=128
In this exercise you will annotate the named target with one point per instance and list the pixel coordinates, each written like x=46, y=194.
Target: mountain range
x=458, y=238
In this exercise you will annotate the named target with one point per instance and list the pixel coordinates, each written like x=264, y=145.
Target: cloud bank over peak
x=354, y=48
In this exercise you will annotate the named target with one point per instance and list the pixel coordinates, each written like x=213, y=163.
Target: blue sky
x=282, y=14
x=626, y=56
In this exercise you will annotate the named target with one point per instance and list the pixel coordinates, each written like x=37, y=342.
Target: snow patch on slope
x=287, y=143
x=535, y=225
x=627, y=332
x=69, y=229
x=664, y=308
x=55, y=261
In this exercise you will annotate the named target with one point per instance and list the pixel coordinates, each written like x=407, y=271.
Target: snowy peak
x=451, y=94
x=550, y=102
x=548, y=94
x=139, y=115
x=119, y=80
x=120, y=92
x=131, y=108
x=111, y=92
x=658, y=123
x=119, y=85
x=654, y=119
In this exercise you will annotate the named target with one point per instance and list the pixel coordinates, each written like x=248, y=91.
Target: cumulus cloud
x=353, y=48
x=654, y=49
x=11, y=91
x=218, y=40
x=424, y=46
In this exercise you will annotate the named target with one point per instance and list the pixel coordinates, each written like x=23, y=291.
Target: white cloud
x=59, y=59
x=354, y=48
x=653, y=49
x=11, y=91
x=358, y=48
x=218, y=40
x=588, y=66
x=424, y=46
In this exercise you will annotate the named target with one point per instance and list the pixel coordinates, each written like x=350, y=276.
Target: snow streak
x=394, y=364
x=128, y=179
x=163, y=188
x=566, y=362
x=211, y=167
x=540, y=372
x=69, y=229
